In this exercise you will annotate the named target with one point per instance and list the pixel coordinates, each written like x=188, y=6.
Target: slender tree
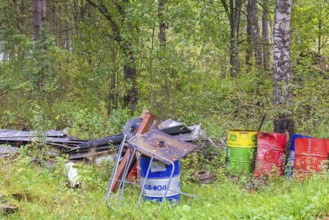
x=282, y=67
x=254, y=32
x=163, y=45
x=265, y=36
x=248, y=48
x=249, y=54
x=39, y=16
x=162, y=24
x=233, y=11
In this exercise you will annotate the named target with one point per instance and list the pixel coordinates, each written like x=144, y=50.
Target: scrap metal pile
x=143, y=139
x=77, y=149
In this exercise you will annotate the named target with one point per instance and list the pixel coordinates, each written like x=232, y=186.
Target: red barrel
x=271, y=154
x=311, y=155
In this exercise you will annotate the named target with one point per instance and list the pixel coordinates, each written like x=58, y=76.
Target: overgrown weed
x=46, y=195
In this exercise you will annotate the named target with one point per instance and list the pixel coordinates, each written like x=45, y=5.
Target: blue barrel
x=291, y=157
x=158, y=178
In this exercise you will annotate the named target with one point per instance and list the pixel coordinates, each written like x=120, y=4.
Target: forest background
x=90, y=65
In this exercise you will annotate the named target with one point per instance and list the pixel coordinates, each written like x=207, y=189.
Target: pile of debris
x=77, y=149
x=165, y=144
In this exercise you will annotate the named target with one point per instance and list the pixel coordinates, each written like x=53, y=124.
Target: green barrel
x=241, y=150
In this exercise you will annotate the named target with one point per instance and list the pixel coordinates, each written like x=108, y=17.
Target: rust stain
x=157, y=143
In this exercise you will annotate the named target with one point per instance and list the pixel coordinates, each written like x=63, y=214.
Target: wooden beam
x=145, y=125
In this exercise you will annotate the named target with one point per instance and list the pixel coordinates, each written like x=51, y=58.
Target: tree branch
x=227, y=10
x=104, y=11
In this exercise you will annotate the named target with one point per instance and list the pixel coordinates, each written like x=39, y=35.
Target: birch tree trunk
x=282, y=67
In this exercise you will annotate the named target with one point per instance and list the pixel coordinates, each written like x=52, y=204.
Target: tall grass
x=46, y=195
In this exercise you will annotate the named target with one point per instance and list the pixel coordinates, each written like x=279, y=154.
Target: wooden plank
x=146, y=128
x=144, y=112
x=145, y=125
x=119, y=174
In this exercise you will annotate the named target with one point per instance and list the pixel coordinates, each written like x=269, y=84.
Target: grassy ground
x=45, y=194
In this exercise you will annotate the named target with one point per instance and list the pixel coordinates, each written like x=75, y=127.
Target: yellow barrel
x=241, y=150
x=242, y=138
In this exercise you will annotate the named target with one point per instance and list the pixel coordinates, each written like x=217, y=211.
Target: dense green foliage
x=79, y=78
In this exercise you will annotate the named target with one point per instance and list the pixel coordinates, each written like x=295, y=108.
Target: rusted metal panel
x=156, y=143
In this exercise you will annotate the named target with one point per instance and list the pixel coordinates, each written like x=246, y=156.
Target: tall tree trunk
x=130, y=72
x=233, y=11
x=249, y=46
x=319, y=35
x=254, y=30
x=162, y=25
x=265, y=35
x=39, y=16
x=282, y=67
x=234, y=58
x=164, y=92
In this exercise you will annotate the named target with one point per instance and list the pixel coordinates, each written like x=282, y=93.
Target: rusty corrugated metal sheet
x=16, y=133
